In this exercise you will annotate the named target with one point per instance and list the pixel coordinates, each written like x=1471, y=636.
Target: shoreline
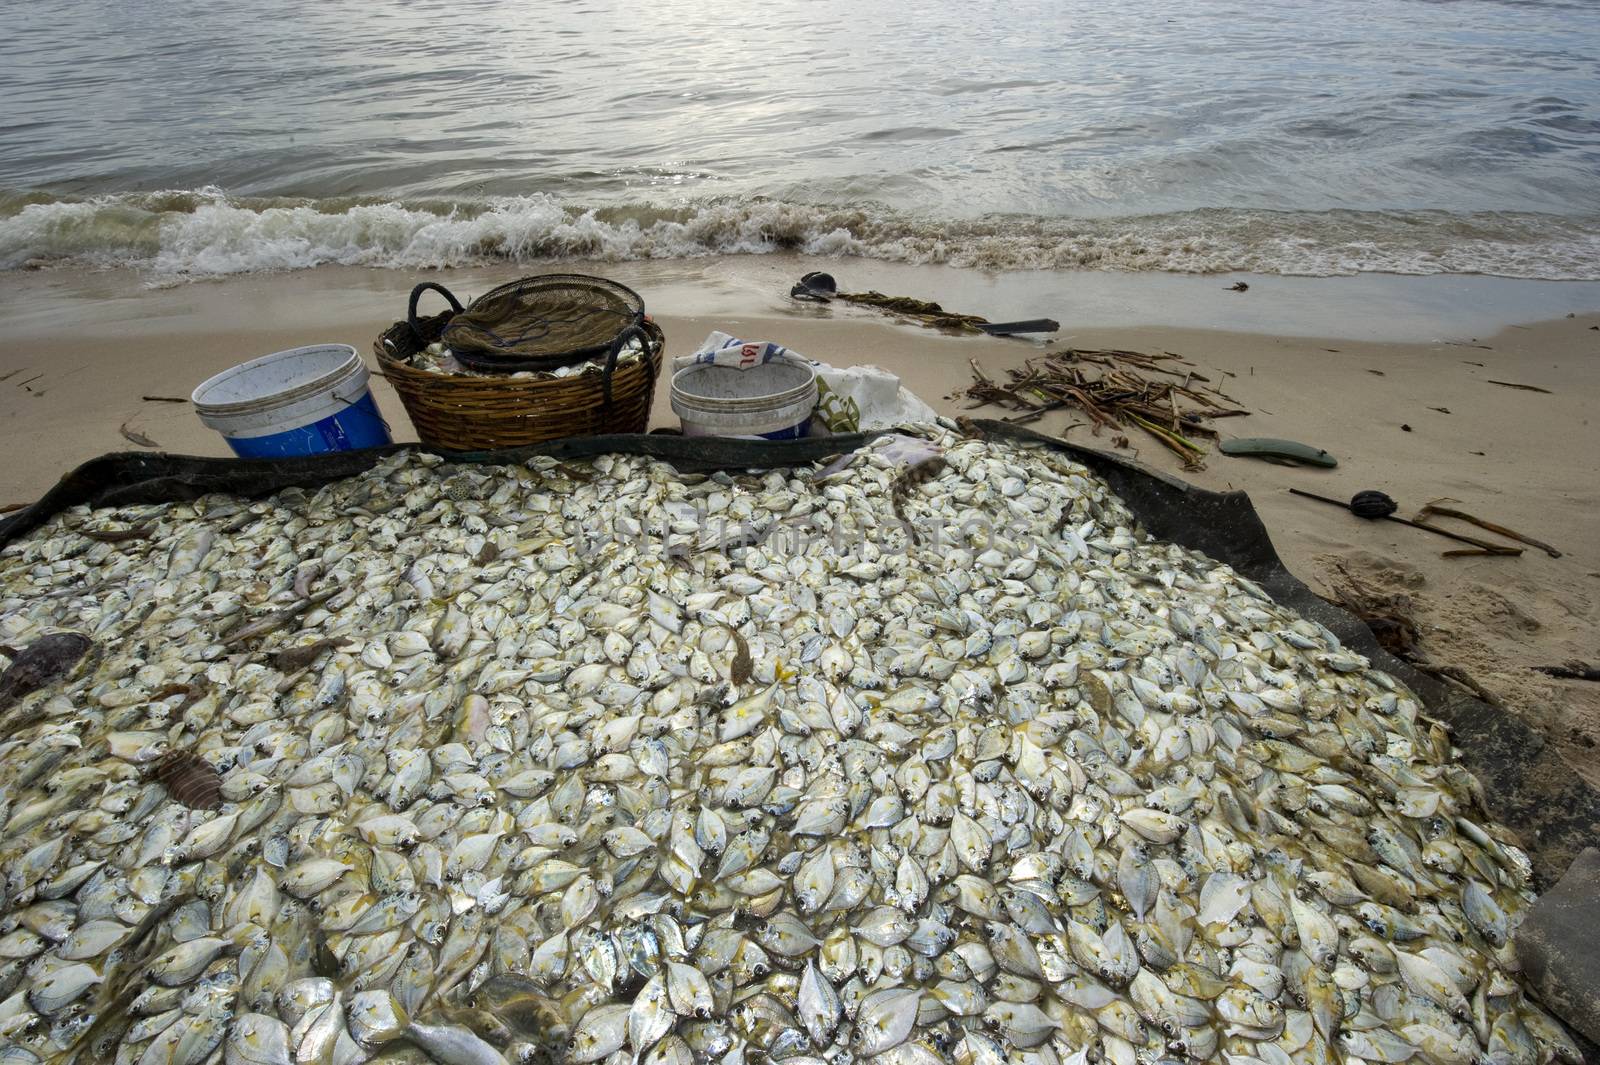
x=1369, y=306
x=82, y=348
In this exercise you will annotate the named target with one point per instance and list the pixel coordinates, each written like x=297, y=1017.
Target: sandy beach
x=1393, y=376
x=535, y=790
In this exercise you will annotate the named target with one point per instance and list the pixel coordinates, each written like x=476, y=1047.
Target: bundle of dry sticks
x=1111, y=388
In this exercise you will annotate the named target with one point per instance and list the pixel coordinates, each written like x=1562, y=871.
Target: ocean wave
x=180, y=234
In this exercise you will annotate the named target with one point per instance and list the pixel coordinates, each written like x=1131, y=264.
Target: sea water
x=1275, y=136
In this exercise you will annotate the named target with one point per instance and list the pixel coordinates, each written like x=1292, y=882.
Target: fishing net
x=543, y=322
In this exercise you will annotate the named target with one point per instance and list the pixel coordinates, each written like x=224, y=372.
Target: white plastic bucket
x=297, y=402
x=772, y=400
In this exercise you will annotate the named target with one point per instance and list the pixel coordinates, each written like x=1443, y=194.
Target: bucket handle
x=416, y=294
x=634, y=330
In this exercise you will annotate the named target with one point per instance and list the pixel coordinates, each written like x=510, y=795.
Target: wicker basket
x=461, y=413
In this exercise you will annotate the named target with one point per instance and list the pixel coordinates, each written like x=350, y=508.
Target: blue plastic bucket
x=303, y=401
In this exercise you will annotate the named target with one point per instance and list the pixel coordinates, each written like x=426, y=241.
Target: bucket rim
x=755, y=429
x=351, y=365
x=789, y=395
x=687, y=408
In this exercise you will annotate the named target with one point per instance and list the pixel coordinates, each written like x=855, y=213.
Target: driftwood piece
x=1483, y=545
x=1112, y=388
x=1500, y=530
x=1570, y=671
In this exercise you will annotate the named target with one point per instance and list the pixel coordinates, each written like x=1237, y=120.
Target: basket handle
x=416, y=294
x=634, y=330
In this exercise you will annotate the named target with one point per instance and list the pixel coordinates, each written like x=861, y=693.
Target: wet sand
x=1344, y=364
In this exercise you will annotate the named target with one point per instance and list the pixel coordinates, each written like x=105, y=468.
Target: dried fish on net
x=988, y=775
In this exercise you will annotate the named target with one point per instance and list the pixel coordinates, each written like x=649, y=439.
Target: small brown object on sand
x=1570, y=671
x=1433, y=508
x=133, y=436
x=1387, y=614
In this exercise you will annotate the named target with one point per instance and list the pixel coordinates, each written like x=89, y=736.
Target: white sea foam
x=205, y=233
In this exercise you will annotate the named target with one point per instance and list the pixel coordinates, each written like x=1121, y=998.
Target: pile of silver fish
x=437, y=358
x=917, y=760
